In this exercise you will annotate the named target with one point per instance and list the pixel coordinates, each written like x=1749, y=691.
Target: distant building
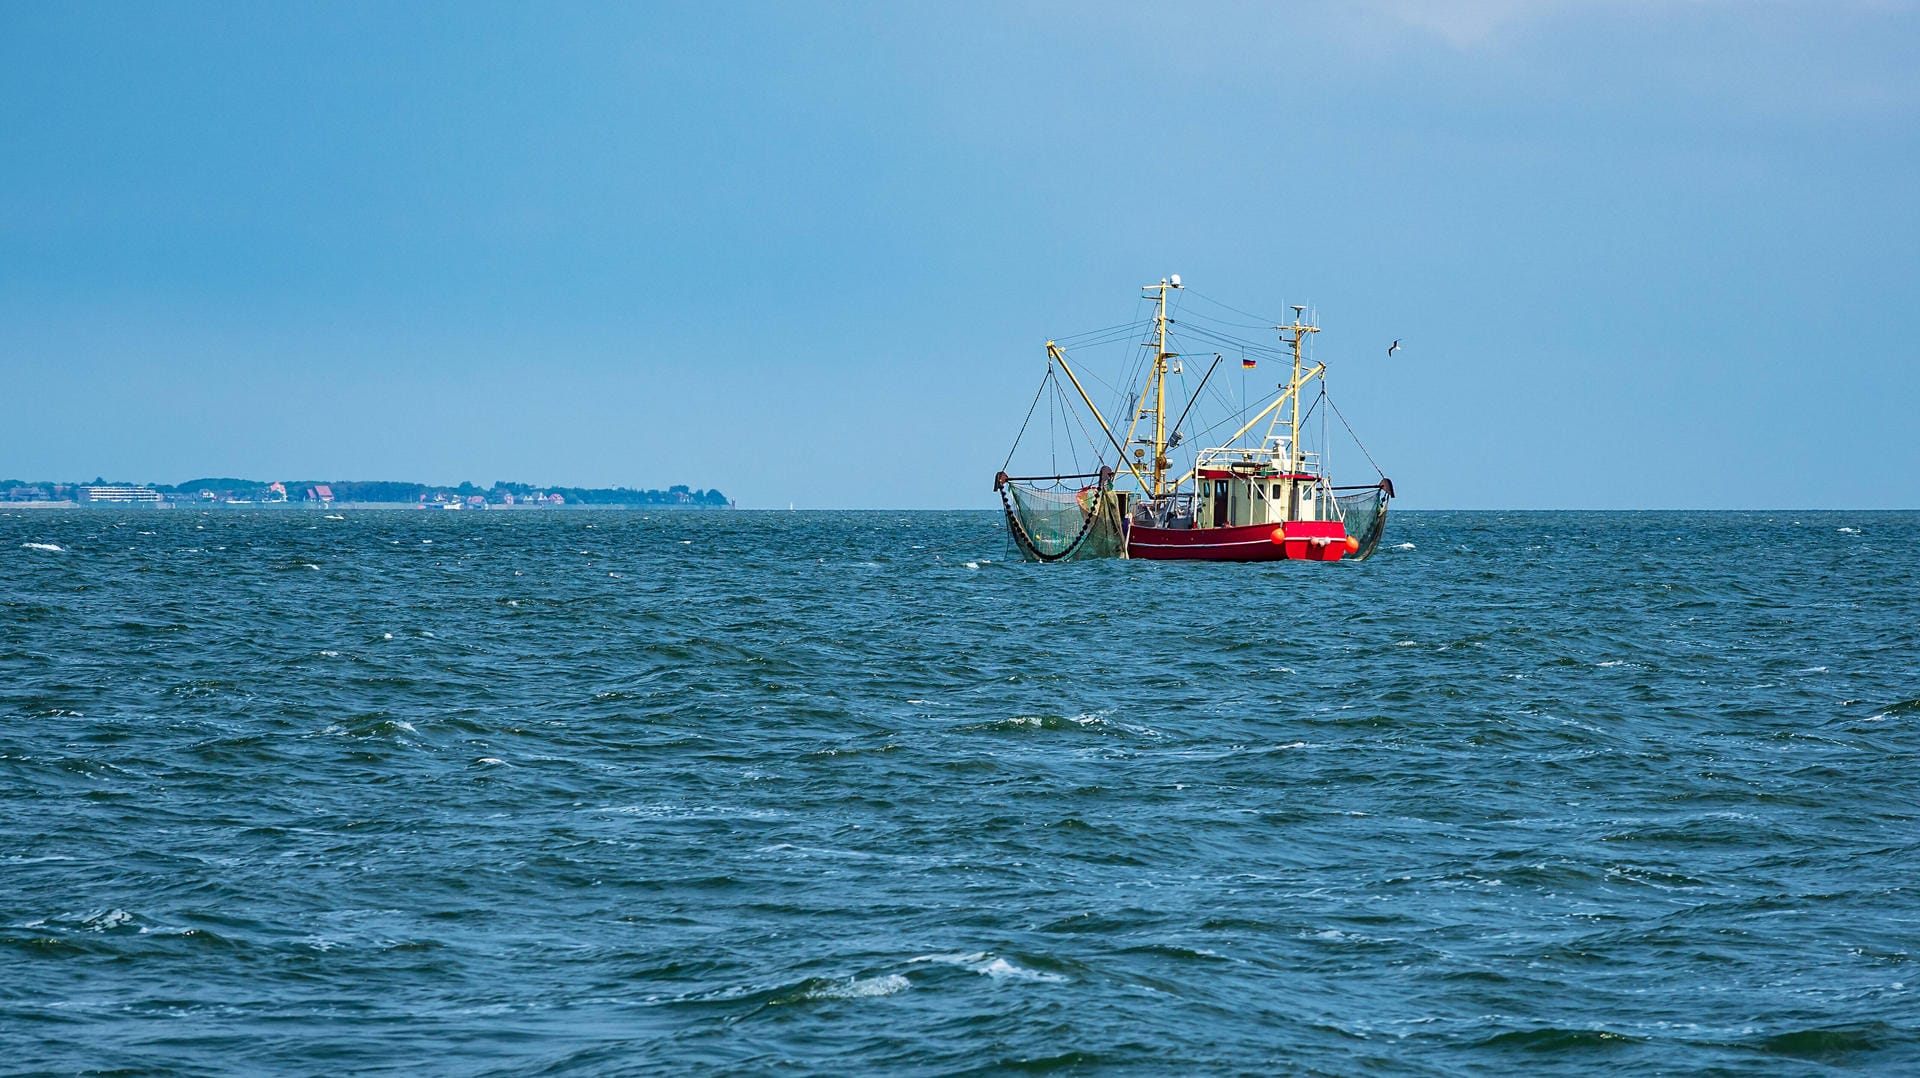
x=320, y=492
x=113, y=495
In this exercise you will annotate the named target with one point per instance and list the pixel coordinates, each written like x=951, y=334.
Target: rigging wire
x=1233, y=341
x=1088, y=435
x=1090, y=373
x=1218, y=321
x=1128, y=326
x=1053, y=441
x=1048, y=377
x=1230, y=307
x=1326, y=447
x=1197, y=328
x=1196, y=393
x=1096, y=340
x=1355, y=437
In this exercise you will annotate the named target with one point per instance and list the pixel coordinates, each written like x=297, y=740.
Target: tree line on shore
x=378, y=491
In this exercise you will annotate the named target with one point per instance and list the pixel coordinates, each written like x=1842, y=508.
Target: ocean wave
x=1094, y=722
x=989, y=965
x=886, y=984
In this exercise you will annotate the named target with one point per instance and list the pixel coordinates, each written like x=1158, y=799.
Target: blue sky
x=1642, y=254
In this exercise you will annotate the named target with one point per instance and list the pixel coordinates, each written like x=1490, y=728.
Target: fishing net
x=1365, y=514
x=1059, y=522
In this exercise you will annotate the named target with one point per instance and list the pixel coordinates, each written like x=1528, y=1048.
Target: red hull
x=1304, y=540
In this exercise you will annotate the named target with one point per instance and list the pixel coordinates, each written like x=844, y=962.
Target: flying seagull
x=1394, y=347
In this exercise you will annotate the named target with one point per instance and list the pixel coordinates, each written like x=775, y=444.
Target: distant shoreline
x=364, y=493
x=314, y=507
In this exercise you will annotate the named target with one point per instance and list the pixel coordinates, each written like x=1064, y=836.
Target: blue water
x=840, y=793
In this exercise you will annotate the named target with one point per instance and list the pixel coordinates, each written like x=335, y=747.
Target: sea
x=847, y=793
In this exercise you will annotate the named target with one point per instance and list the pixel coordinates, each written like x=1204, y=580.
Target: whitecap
x=335, y=516
x=1612, y=662
x=955, y=959
x=43, y=546
x=330, y=654
x=973, y=565
x=860, y=987
x=100, y=922
x=1849, y=531
x=489, y=760
x=1403, y=546
x=988, y=965
x=1002, y=970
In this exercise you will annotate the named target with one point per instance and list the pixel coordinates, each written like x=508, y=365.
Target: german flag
x=1247, y=364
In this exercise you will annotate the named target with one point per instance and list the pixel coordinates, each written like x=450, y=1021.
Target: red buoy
x=1280, y=535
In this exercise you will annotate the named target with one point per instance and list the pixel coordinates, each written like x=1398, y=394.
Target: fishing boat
x=1258, y=494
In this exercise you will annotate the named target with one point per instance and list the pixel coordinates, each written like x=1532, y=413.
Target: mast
x=1157, y=386
x=1300, y=330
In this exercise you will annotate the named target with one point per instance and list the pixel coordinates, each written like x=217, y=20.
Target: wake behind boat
x=1259, y=494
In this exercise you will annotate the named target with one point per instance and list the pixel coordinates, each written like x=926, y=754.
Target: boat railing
x=1272, y=455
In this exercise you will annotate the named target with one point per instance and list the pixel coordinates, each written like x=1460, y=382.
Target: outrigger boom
x=1054, y=352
